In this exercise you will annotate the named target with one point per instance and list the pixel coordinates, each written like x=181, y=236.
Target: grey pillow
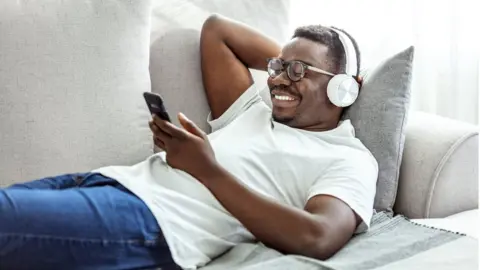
x=379, y=117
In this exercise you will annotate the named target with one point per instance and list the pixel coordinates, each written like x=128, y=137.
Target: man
x=293, y=177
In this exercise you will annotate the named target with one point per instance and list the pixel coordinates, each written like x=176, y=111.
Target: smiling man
x=292, y=176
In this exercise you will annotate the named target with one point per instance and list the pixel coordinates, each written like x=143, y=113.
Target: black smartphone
x=156, y=106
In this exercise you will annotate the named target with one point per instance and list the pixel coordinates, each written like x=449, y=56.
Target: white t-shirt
x=285, y=164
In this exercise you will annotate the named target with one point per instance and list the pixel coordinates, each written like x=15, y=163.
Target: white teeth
x=284, y=98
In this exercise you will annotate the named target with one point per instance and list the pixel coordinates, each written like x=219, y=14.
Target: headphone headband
x=350, y=53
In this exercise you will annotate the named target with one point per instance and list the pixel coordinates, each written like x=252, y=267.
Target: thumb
x=188, y=125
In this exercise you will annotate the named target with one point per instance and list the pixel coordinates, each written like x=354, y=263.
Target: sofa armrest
x=439, y=172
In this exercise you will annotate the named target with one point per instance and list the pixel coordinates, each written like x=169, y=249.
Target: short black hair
x=330, y=38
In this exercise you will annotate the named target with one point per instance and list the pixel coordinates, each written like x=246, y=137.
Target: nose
x=281, y=79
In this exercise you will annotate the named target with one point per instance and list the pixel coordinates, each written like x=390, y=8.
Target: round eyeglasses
x=295, y=69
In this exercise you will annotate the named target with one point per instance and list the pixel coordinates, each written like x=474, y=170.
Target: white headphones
x=342, y=89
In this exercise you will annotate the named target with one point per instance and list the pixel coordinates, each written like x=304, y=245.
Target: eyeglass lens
x=295, y=69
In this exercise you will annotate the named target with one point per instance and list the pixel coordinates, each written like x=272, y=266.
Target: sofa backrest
x=72, y=75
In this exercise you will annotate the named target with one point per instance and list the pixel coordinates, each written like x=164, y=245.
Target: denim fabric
x=78, y=221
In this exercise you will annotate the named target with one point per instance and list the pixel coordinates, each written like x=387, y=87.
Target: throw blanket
x=391, y=243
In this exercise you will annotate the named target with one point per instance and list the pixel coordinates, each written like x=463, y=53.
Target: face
x=310, y=107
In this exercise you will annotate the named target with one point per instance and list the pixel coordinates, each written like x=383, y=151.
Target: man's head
x=319, y=47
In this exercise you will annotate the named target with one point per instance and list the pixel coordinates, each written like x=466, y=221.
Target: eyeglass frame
x=305, y=67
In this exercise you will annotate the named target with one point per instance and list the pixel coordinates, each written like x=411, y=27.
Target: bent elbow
x=321, y=245
x=211, y=22
x=322, y=253
x=319, y=249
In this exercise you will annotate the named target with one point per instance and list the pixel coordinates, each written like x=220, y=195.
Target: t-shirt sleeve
x=242, y=104
x=352, y=180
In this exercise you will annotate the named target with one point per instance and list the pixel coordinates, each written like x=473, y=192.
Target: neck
x=331, y=122
x=323, y=126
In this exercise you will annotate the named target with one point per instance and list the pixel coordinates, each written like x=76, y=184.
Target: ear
x=360, y=81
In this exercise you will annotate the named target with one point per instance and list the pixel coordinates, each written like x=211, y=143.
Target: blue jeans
x=78, y=221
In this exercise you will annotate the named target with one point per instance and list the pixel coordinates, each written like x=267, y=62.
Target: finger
x=158, y=133
x=159, y=143
x=152, y=126
x=171, y=129
x=190, y=126
x=157, y=121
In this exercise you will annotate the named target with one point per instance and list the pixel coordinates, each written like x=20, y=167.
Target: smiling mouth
x=285, y=98
x=283, y=95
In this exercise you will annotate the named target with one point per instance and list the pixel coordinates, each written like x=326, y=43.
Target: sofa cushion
x=175, y=59
x=379, y=116
x=466, y=222
x=72, y=75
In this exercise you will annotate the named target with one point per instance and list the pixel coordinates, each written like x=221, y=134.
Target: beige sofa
x=438, y=183
x=439, y=175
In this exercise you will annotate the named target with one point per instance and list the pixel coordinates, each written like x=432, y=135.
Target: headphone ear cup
x=342, y=90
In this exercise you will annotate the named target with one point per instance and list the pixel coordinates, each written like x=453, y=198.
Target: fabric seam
x=398, y=163
x=433, y=227
x=51, y=237
x=438, y=170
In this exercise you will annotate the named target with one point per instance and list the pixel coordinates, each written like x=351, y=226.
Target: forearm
x=249, y=45
x=290, y=230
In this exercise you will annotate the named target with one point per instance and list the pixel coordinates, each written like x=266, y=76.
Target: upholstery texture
x=439, y=173
x=379, y=116
x=175, y=59
x=72, y=75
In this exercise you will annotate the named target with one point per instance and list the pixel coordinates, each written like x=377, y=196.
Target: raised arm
x=228, y=49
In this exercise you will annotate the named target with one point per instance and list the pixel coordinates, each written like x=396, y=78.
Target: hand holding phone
x=156, y=106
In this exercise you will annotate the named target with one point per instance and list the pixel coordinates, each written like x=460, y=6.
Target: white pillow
x=72, y=73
